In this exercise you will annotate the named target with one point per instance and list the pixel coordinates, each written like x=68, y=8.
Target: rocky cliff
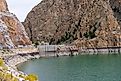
x=3, y=5
x=12, y=32
x=86, y=23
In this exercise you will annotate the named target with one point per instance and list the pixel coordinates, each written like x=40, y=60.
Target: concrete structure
x=57, y=50
x=104, y=50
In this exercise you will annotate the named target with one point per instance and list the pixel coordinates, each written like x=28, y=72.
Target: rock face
x=12, y=32
x=86, y=23
x=116, y=7
x=3, y=5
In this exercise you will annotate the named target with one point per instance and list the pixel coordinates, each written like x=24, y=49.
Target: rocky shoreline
x=17, y=56
x=15, y=60
x=14, y=57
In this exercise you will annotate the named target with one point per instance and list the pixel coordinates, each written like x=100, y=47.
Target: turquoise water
x=77, y=68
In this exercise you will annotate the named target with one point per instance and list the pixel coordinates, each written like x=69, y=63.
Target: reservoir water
x=76, y=68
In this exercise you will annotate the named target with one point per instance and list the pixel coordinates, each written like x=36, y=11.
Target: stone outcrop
x=12, y=32
x=3, y=5
x=86, y=23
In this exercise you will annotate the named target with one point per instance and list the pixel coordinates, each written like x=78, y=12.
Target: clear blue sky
x=21, y=7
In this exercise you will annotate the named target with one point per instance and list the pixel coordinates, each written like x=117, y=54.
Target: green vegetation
x=4, y=76
x=36, y=43
x=7, y=76
x=1, y=62
x=67, y=36
x=89, y=35
x=31, y=77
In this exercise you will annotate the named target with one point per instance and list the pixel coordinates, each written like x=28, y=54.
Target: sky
x=21, y=7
